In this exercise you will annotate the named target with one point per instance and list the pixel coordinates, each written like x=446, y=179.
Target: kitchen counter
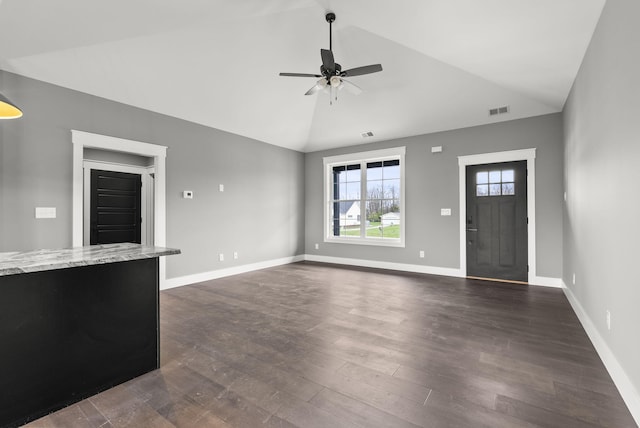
x=42, y=260
x=75, y=322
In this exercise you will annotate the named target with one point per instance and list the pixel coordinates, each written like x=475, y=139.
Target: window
x=495, y=183
x=365, y=198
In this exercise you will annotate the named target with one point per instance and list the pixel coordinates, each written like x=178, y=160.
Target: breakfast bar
x=74, y=322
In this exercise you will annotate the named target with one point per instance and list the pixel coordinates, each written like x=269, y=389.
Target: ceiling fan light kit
x=332, y=77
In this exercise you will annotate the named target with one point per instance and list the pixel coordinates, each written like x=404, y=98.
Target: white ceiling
x=216, y=62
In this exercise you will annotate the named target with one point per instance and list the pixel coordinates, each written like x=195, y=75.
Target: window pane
x=374, y=171
x=353, y=174
x=494, y=177
x=391, y=172
x=482, y=190
x=392, y=188
x=507, y=175
x=390, y=221
x=353, y=191
x=374, y=189
x=335, y=219
x=340, y=191
x=374, y=211
x=348, y=219
x=482, y=177
x=494, y=189
x=508, y=189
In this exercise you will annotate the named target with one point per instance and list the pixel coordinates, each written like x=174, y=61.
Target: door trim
x=528, y=155
x=82, y=139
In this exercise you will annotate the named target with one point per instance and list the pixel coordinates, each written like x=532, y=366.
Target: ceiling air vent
x=498, y=110
x=367, y=134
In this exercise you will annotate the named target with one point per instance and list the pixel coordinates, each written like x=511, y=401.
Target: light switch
x=436, y=149
x=445, y=211
x=45, y=212
x=187, y=194
x=221, y=187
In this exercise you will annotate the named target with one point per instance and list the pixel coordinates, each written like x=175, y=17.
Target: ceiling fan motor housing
x=328, y=73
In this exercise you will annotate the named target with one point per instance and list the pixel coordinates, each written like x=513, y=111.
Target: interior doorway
x=111, y=211
x=157, y=153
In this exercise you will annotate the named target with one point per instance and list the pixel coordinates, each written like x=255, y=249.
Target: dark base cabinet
x=67, y=334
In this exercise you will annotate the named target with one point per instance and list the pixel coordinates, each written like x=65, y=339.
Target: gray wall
x=260, y=214
x=432, y=184
x=602, y=151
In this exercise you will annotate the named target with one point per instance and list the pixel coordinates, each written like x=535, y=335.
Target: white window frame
x=363, y=157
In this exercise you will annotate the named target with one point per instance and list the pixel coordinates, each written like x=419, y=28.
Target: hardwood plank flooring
x=315, y=345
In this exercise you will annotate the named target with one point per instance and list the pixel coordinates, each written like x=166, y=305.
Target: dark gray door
x=115, y=207
x=497, y=221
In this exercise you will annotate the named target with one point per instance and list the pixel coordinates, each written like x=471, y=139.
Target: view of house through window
x=365, y=201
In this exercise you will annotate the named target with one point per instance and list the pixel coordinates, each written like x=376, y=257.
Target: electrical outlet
x=421, y=254
x=317, y=246
x=221, y=257
x=608, y=320
x=235, y=255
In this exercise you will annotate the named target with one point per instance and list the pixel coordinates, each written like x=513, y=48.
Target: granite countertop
x=42, y=260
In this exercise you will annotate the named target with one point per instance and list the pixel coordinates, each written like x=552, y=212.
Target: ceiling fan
x=332, y=77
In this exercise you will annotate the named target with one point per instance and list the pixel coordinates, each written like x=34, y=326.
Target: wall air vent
x=498, y=110
x=367, y=134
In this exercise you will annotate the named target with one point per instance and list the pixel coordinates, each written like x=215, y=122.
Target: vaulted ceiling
x=216, y=62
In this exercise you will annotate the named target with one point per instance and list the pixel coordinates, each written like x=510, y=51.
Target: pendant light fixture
x=8, y=110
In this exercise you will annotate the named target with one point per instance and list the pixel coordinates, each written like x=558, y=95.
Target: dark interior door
x=497, y=221
x=115, y=207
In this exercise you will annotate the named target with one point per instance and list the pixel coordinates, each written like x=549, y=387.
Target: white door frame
x=80, y=140
x=528, y=155
x=146, y=210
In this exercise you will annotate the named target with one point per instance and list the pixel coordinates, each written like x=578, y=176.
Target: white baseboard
x=627, y=390
x=221, y=273
x=386, y=265
x=545, y=281
x=406, y=267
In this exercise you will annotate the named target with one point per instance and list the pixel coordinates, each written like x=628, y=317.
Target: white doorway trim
x=146, y=208
x=528, y=155
x=80, y=140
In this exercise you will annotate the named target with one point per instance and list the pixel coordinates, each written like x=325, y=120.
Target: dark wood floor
x=312, y=345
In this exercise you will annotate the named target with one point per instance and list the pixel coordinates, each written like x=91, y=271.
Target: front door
x=497, y=221
x=115, y=207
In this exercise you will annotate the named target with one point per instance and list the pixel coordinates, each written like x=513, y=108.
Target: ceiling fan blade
x=327, y=59
x=351, y=87
x=322, y=83
x=300, y=75
x=359, y=71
